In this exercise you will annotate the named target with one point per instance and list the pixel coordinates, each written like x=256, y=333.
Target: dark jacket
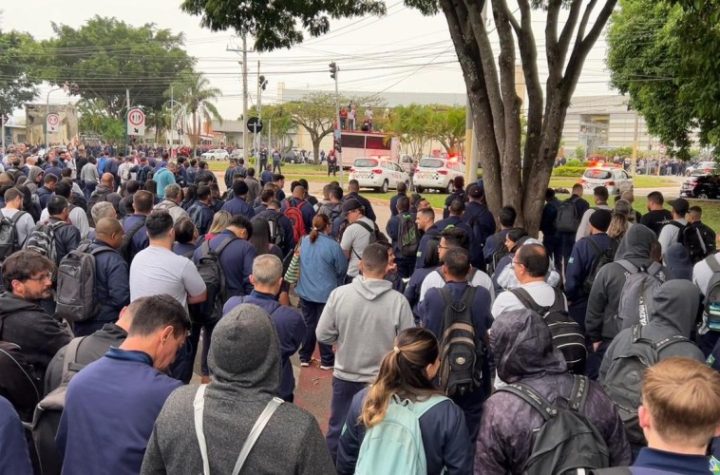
x=140, y=239
x=202, y=216
x=290, y=328
x=455, y=195
x=444, y=436
x=237, y=206
x=306, y=209
x=522, y=346
x=393, y=203
x=656, y=219
x=363, y=201
x=482, y=223
x=547, y=221
x=38, y=334
x=44, y=195
x=494, y=243
x=600, y=320
x=454, y=221
x=674, y=313
x=667, y=463
x=393, y=231
x=67, y=238
x=245, y=362
x=424, y=246
x=14, y=458
x=285, y=225
x=92, y=348
x=236, y=261
x=412, y=290
x=103, y=193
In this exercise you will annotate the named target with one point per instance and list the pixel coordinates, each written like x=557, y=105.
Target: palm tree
x=194, y=95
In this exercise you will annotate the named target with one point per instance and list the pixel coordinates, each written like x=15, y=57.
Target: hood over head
x=675, y=304
x=370, y=289
x=522, y=345
x=636, y=244
x=244, y=352
x=678, y=262
x=33, y=173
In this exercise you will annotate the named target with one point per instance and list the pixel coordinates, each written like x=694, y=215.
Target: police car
x=379, y=173
x=615, y=179
x=437, y=174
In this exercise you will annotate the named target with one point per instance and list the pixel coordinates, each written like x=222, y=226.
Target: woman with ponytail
x=406, y=379
x=322, y=268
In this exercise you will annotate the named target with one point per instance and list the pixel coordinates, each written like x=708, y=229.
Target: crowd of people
x=457, y=343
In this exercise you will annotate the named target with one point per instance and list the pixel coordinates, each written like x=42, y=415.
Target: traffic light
x=333, y=70
x=262, y=82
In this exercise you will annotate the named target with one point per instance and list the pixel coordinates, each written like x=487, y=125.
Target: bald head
x=110, y=231
x=107, y=179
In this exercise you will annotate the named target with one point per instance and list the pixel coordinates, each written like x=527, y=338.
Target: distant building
x=35, y=117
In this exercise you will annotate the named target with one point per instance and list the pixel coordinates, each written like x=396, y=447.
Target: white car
x=616, y=180
x=237, y=153
x=216, y=154
x=437, y=174
x=378, y=173
x=706, y=168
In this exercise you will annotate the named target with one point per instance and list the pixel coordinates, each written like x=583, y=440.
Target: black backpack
x=602, y=257
x=698, y=239
x=9, y=235
x=408, y=235
x=48, y=412
x=76, y=284
x=375, y=235
x=624, y=377
x=460, y=367
x=567, y=440
x=567, y=219
x=211, y=271
x=277, y=233
x=567, y=336
x=126, y=249
x=19, y=383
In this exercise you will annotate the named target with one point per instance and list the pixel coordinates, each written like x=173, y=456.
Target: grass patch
x=639, y=181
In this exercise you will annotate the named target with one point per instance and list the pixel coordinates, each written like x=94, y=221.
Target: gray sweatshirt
x=363, y=318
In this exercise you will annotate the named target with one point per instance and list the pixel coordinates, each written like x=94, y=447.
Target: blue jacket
x=163, y=177
x=236, y=261
x=14, y=457
x=494, y=243
x=363, y=201
x=285, y=225
x=266, y=177
x=290, y=328
x=116, y=398
x=444, y=435
x=652, y=461
x=202, y=216
x=140, y=239
x=112, y=284
x=432, y=233
x=393, y=204
x=482, y=223
x=323, y=266
x=547, y=221
x=454, y=221
x=580, y=265
x=412, y=290
x=455, y=195
x=44, y=195
x=308, y=213
x=237, y=206
x=186, y=250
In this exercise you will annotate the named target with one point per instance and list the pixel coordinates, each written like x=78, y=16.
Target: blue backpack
x=395, y=445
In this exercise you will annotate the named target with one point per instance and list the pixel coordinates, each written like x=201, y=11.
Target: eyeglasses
x=41, y=277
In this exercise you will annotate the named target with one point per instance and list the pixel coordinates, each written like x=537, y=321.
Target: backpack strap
x=530, y=396
x=16, y=217
x=255, y=432
x=527, y=301
x=596, y=247
x=579, y=393
x=198, y=410
x=368, y=229
x=219, y=250
x=628, y=266
x=665, y=342
x=70, y=361
x=419, y=408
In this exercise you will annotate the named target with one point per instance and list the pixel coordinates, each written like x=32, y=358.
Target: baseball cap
x=351, y=205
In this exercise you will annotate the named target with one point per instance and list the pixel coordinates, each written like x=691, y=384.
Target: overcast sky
x=403, y=51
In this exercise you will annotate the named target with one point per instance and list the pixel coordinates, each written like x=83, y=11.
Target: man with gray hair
x=267, y=271
x=103, y=209
x=171, y=203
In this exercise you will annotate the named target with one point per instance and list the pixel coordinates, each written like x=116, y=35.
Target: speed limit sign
x=136, y=122
x=53, y=122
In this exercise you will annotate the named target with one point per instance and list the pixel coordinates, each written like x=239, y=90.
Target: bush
x=574, y=163
x=568, y=171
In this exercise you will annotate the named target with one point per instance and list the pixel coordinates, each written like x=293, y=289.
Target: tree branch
x=584, y=21
x=584, y=45
x=567, y=31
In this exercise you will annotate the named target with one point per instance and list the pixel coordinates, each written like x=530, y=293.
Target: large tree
x=17, y=85
x=414, y=126
x=664, y=55
x=194, y=97
x=513, y=175
x=106, y=57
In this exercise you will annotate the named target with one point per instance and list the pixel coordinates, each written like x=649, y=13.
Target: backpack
x=18, y=384
x=636, y=297
x=76, y=284
x=712, y=295
x=460, y=366
x=408, y=239
x=395, y=445
x=496, y=257
x=142, y=174
x=624, y=378
x=602, y=257
x=294, y=214
x=46, y=418
x=567, y=336
x=212, y=273
x=567, y=440
x=699, y=241
x=567, y=219
x=375, y=235
x=126, y=249
x=277, y=234
x=9, y=235
x=42, y=239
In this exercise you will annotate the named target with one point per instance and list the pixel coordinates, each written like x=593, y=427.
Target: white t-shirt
x=435, y=281
x=24, y=226
x=156, y=270
x=584, y=227
x=669, y=234
x=541, y=292
x=355, y=239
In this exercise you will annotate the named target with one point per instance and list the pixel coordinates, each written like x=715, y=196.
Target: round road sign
x=254, y=125
x=136, y=117
x=53, y=120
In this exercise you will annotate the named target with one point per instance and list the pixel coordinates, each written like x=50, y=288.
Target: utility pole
x=127, y=131
x=172, y=121
x=337, y=133
x=244, y=52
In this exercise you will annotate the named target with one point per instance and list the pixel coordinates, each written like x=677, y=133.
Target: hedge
x=568, y=171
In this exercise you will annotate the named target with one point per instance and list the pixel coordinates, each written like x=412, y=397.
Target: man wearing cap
x=670, y=232
x=357, y=236
x=581, y=264
x=480, y=220
x=238, y=205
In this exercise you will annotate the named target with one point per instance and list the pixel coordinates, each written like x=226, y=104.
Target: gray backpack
x=624, y=377
x=636, y=298
x=567, y=440
x=9, y=235
x=76, y=284
x=42, y=239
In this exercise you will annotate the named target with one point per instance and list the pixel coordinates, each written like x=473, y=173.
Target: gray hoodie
x=674, y=313
x=245, y=363
x=600, y=319
x=363, y=318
